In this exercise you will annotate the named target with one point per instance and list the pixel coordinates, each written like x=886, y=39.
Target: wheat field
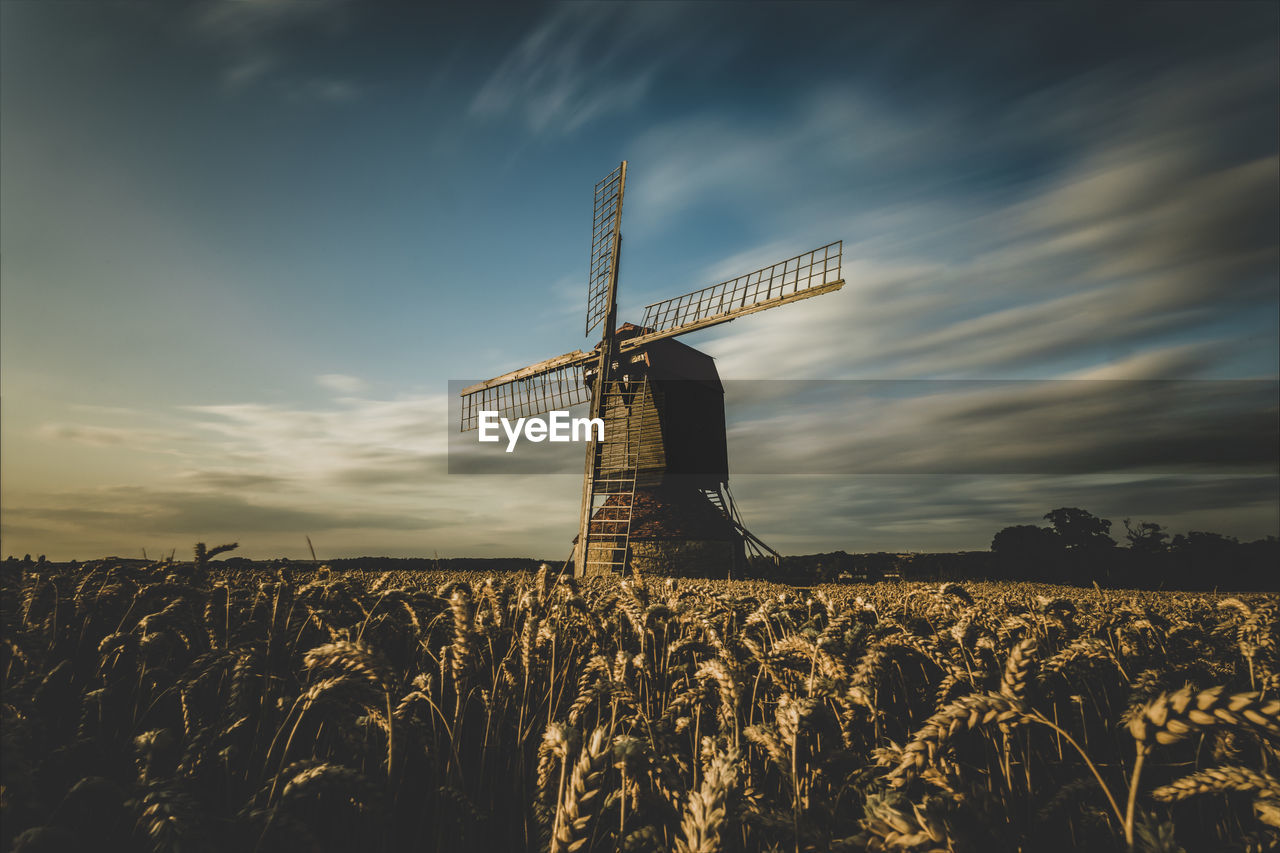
x=190, y=707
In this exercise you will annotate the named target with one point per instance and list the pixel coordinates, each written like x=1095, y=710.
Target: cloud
x=270, y=449
x=341, y=382
x=796, y=169
x=148, y=512
x=246, y=69
x=255, y=20
x=382, y=438
x=1158, y=231
x=367, y=476
x=579, y=65
x=159, y=441
x=261, y=43
x=360, y=476
x=1016, y=427
x=235, y=481
x=1177, y=360
x=331, y=90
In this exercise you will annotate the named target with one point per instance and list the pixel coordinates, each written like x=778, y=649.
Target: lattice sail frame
x=606, y=222
x=778, y=283
x=529, y=392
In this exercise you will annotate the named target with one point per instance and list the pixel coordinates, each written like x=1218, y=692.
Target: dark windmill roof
x=669, y=359
x=672, y=512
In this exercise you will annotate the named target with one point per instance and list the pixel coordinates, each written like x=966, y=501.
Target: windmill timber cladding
x=681, y=423
x=674, y=527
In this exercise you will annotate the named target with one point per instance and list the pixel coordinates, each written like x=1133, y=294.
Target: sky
x=246, y=247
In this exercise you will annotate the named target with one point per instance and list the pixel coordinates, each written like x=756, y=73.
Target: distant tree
x=1024, y=537
x=1201, y=543
x=1028, y=551
x=1205, y=559
x=1145, y=536
x=1146, y=562
x=1080, y=529
x=1257, y=563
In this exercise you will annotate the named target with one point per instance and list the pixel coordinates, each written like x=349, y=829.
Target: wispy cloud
x=350, y=473
x=791, y=169
x=1133, y=243
x=341, y=382
x=252, y=21
x=380, y=438
x=259, y=41
x=159, y=441
x=1063, y=427
x=583, y=62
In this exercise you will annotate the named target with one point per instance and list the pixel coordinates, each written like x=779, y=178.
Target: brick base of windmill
x=676, y=532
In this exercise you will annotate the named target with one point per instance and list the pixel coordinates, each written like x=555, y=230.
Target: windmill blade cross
x=804, y=276
x=552, y=384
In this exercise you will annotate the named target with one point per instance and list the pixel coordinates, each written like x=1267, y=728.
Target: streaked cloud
x=254, y=20
x=259, y=42
x=1125, y=244
x=341, y=382
x=378, y=437
x=357, y=471
x=581, y=63
x=158, y=441
x=1070, y=427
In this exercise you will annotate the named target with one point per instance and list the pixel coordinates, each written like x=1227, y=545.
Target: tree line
x=1077, y=547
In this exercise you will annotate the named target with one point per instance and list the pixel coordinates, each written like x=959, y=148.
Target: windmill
x=661, y=470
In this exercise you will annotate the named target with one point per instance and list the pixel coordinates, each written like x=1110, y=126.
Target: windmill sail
x=605, y=230
x=810, y=274
x=556, y=383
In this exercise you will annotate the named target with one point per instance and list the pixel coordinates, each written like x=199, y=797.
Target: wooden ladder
x=623, y=405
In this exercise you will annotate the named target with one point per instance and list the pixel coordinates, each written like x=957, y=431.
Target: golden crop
x=185, y=707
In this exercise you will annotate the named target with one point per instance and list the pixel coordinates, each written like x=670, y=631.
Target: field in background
x=197, y=707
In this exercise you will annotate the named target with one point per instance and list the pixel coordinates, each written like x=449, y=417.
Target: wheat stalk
x=1217, y=779
x=583, y=796
x=965, y=714
x=706, y=812
x=1171, y=717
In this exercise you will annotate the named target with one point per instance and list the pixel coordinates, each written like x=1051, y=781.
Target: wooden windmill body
x=655, y=490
